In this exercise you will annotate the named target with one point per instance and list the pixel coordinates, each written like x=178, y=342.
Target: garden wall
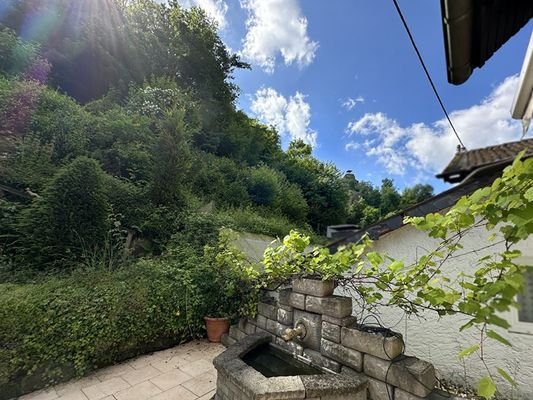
x=439, y=340
x=334, y=341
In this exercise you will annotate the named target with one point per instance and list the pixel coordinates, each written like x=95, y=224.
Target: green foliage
x=171, y=160
x=59, y=121
x=321, y=184
x=504, y=209
x=246, y=140
x=71, y=215
x=416, y=194
x=122, y=142
x=69, y=326
x=264, y=187
x=219, y=179
x=230, y=279
x=29, y=166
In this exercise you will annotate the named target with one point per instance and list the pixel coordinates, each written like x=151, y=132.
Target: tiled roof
x=464, y=162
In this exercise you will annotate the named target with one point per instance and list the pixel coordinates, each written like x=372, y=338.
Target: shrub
x=66, y=327
x=58, y=120
x=71, y=216
x=264, y=186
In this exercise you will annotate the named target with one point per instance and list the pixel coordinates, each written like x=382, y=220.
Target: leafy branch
x=504, y=210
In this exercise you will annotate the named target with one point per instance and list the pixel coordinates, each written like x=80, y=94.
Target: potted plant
x=229, y=289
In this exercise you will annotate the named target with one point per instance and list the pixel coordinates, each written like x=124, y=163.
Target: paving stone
x=105, y=388
x=343, y=355
x=170, y=379
x=141, y=375
x=45, y=394
x=207, y=396
x=314, y=287
x=76, y=384
x=170, y=365
x=202, y=384
x=195, y=357
x=331, y=332
x=143, y=361
x=197, y=368
x=408, y=373
x=176, y=393
x=375, y=344
x=336, y=306
x=142, y=391
x=113, y=371
x=73, y=395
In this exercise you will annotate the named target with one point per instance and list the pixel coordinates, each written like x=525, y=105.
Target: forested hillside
x=118, y=123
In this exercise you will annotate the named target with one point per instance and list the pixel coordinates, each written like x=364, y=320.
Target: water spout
x=290, y=333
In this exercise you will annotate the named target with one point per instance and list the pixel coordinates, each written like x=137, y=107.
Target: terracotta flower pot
x=216, y=327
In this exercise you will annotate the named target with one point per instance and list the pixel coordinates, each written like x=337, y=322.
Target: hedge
x=65, y=327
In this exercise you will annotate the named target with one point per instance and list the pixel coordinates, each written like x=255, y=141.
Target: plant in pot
x=293, y=260
x=230, y=288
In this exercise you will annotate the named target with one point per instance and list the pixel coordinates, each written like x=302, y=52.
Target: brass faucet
x=298, y=331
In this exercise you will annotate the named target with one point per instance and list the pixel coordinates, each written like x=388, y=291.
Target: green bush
x=66, y=327
x=70, y=217
x=264, y=187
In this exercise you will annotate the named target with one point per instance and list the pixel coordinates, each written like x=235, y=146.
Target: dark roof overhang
x=475, y=29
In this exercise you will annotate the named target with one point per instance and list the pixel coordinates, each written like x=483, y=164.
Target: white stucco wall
x=438, y=340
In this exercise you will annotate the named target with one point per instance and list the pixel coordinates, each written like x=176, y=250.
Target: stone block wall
x=335, y=342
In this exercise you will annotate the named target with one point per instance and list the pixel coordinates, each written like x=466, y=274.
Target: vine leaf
x=466, y=352
x=506, y=376
x=498, y=337
x=529, y=194
x=486, y=387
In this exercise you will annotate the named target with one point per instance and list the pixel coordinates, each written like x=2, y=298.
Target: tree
x=416, y=194
x=264, y=187
x=389, y=197
x=172, y=160
x=69, y=218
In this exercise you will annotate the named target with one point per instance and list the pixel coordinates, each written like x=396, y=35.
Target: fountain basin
x=253, y=368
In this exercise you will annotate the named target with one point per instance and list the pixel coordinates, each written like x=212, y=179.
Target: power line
x=426, y=70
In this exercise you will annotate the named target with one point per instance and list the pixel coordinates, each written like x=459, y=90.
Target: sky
x=343, y=76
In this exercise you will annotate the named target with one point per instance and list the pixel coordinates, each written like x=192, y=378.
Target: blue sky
x=343, y=76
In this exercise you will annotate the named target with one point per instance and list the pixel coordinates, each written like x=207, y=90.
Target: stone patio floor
x=183, y=372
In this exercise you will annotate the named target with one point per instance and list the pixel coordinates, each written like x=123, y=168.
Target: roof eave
x=457, y=20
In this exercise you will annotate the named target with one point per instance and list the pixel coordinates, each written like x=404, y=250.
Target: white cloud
x=215, y=9
x=276, y=27
x=349, y=103
x=429, y=147
x=291, y=117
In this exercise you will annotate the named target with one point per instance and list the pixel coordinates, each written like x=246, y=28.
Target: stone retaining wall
x=334, y=342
